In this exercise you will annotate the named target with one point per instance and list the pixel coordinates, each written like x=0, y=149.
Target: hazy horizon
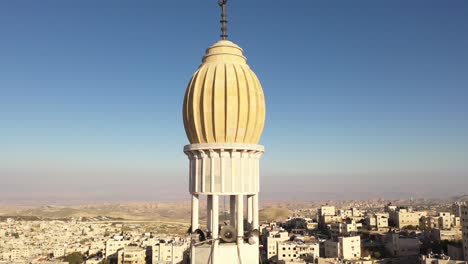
x=144, y=190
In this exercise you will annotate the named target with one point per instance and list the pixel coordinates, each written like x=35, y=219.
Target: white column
x=172, y=255
x=203, y=169
x=232, y=210
x=190, y=173
x=215, y=216
x=240, y=218
x=214, y=232
x=222, y=164
x=192, y=254
x=212, y=170
x=233, y=170
x=209, y=212
x=242, y=172
x=249, y=209
x=195, y=203
x=255, y=211
x=196, y=179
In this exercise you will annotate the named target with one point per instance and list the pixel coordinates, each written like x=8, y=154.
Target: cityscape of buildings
x=372, y=233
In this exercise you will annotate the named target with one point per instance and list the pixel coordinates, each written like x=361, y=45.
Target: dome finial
x=222, y=4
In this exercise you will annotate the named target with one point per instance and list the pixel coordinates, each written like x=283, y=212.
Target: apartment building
x=348, y=248
x=348, y=227
x=327, y=210
x=170, y=252
x=132, y=255
x=272, y=238
x=399, y=245
x=464, y=222
x=404, y=217
x=114, y=244
x=378, y=221
x=294, y=251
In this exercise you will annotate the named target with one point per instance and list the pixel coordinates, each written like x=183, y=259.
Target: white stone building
x=436, y=234
x=348, y=248
x=294, y=251
x=403, y=217
x=378, y=221
x=271, y=240
x=349, y=227
x=131, y=255
x=399, y=245
x=327, y=210
x=115, y=244
x=172, y=252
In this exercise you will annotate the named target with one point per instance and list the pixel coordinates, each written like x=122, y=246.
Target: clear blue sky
x=364, y=98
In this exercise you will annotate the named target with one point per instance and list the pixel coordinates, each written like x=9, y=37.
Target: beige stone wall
x=350, y=247
x=409, y=218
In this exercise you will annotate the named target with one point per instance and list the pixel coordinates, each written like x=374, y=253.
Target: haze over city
x=365, y=99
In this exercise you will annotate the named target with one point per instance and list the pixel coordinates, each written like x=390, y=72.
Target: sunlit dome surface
x=224, y=101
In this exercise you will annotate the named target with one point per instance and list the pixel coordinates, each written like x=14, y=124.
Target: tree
x=74, y=258
x=410, y=227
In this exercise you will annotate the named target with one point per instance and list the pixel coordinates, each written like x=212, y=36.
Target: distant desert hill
x=130, y=211
x=171, y=211
x=460, y=198
x=274, y=214
x=180, y=211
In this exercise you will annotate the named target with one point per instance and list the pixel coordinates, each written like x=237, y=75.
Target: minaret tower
x=224, y=114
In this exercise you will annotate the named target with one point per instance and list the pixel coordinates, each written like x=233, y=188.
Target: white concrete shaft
x=215, y=216
x=209, y=213
x=195, y=217
x=240, y=219
x=249, y=209
x=215, y=226
x=232, y=209
x=255, y=209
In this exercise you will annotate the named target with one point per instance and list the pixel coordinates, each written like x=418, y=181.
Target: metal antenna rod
x=222, y=4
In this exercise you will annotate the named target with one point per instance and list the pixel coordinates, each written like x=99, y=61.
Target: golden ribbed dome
x=224, y=101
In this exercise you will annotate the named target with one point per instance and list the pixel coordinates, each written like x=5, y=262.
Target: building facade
x=464, y=222
x=271, y=241
x=132, y=255
x=346, y=228
x=327, y=210
x=347, y=248
x=115, y=244
x=293, y=251
x=172, y=252
x=398, y=245
x=406, y=217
